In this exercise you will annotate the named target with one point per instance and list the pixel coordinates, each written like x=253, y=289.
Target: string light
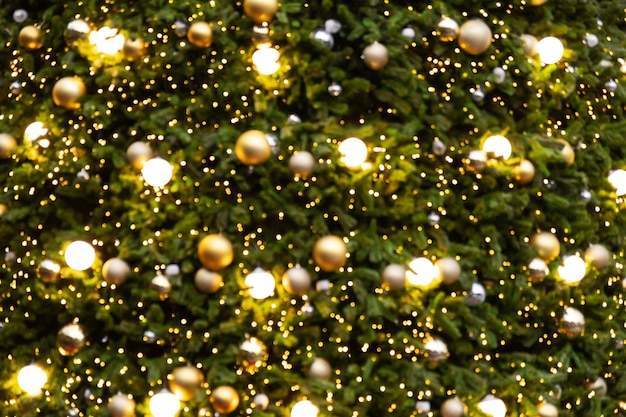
x=572, y=269
x=421, y=272
x=617, y=178
x=31, y=379
x=80, y=255
x=37, y=132
x=265, y=60
x=260, y=283
x=164, y=404
x=492, y=406
x=107, y=40
x=157, y=172
x=304, y=408
x=353, y=152
x=498, y=146
x=550, y=50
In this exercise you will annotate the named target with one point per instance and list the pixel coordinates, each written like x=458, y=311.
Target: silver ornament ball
x=76, y=30
x=332, y=26
x=394, y=277
x=20, y=15
x=297, y=280
x=476, y=295
x=335, y=89
x=323, y=38
x=572, y=322
x=436, y=350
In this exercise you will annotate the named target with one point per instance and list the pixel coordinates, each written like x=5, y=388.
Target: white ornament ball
x=500, y=74
x=261, y=401
x=302, y=164
x=409, y=33
x=476, y=295
x=376, y=56
x=449, y=270
x=115, y=271
x=138, y=153
x=598, y=255
x=546, y=409
x=297, y=280
x=573, y=322
x=422, y=406
x=436, y=350
x=320, y=368
x=452, y=407
x=394, y=277
x=591, y=40
x=474, y=37
x=599, y=387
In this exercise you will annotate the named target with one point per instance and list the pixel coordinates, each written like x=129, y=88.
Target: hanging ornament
x=215, y=252
x=492, y=406
x=436, y=350
x=76, y=30
x=409, y=33
x=545, y=409
x=610, y=85
x=598, y=255
x=394, y=277
x=546, y=245
x=30, y=37
x=307, y=309
x=172, y=270
x=260, y=11
x=538, y=270
x=499, y=75
x=449, y=270
x=164, y=404
x=567, y=151
x=115, y=271
x=180, y=28
x=422, y=406
x=134, y=48
x=185, y=381
x=20, y=16
x=335, y=89
x=573, y=322
x=157, y=172
x=323, y=38
x=121, y=405
x=447, y=29
x=7, y=145
x=598, y=387
x=294, y=119
x=200, y=34
x=252, y=148
x=261, y=401
x=83, y=175
x=273, y=141
x=524, y=172
x=297, y=280
x=591, y=40
x=474, y=37
x=252, y=354
x=10, y=258
x=302, y=164
x=375, y=56
x=537, y=2
x=224, y=399
x=434, y=218
x=320, y=368
x=15, y=87
x=530, y=44
x=149, y=336
x=67, y=92
x=330, y=253
x=304, y=408
x=452, y=407
x=478, y=95
x=476, y=295
x=70, y=339
x=476, y=161
x=332, y=26
x=138, y=153
x=162, y=285
x=260, y=283
x=439, y=148
x=208, y=281
x=48, y=270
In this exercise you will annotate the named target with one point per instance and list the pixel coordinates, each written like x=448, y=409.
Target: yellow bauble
x=330, y=253
x=567, y=151
x=134, y=48
x=524, y=173
x=30, y=37
x=208, y=281
x=185, y=381
x=376, y=56
x=200, y=34
x=538, y=2
x=260, y=11
x=7, y=145
x=215, y=252
x=67, y=91
x=121, y=405
x=449, y=270
x=546, y=245
x=474, y=37
x=252, y=148
x=224, y=399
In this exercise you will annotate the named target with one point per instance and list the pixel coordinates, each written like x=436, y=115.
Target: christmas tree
x=309, y=209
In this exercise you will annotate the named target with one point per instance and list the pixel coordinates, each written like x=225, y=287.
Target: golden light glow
x=260, y=284
x=36, y=132
x=617, y=178
x=573, y=269
x=107, y=40
x=157, y=172
x=164, y=404
x=304, y=408
x=265, y=60
x=80, y=255
x=492, y=406
x=550, y=50
x=421, y=272
x=353, y=152
x=31, y=379
x=498, y=146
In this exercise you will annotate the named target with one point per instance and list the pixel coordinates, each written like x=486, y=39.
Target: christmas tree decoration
x=302, y=164
x=208, y=281
x=332, y=26
x=36, y=133
x=537, y=2
x=572, y=269
x=497, y=147
x=16, y=87
x=598, y=387
x=7, y=145
x=422, y=407
x=530, y=44
x=296, y=280
x=252, y=354
x=121, y=405
x=439, y=148
x=476, y=295
x=422, y=273
x=80, y=255
x=107, y=40
x=394, y=277
x=138, y=153
x=492, y=406
x=261, y=401
x=447, y=29
x=164, y=404
x=353, y=152
x=304, y=408
x=335, y=89
x=115, y=271
x=162, y=285
x=409, y=33
x=610, y=85
x=157, y=172
x=70, y=339
x=172, y=270
x=499, y=74
x=330, y=253
x=436, y=350
x=478, y=95
x=134, y=48
x=550, y=50
x=572, y=323
x=215, y=252
x=30, y=37
x=265, y=60
x=537, y=269
x=320, y=368
x=617, y=178
x=260, y=11
x=20, y=15
x=546, y=409
x=567, y=151
x=31, y=379
x=476, y=161
x=524, y=172
x=375, y=56
x=260, y=284
x=224, y=399
x=185, y=382
x=474, y=36
x=448, y=269
x=48, y=270
x=200, y=34
x=452, y=407
x=324, y=38
x=598, y=256
x=68, y=91
x=591, y=40
x=546, y=245
x=76, y=30
x=252, y=148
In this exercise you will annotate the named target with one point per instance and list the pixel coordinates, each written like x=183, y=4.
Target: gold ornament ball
x=67, y=91
x=208, y=281
x=524, y=173
x=476, y=160
x=215, y=252
x=115, y=271
x=474, y=37
x=260, y=11
x=302, y=164
x=200, y=34
x=252, y=148
x=598, y=255
x=70, y=339
x=447, y=29
x=546, y=409
x=329, y=253
x=567, y=151
x=394, y=277
x=7, y=145
x=452, y=407
x=297, y=280
x=138, y=153
x=252, y=354
x=30, y=37
x=121, y=405
x=184, y=382
x=134, y=49
x=320, y=368
x=449, y=270
x=538, y=2
x=224, y=399
x=376, y=56
x=546, y=245
x=530, y=43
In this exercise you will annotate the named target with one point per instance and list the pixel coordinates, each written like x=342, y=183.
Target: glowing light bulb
x=492, y=406
x=573, y=269
x=550, y=50
x=107, y=40
x=80, y=255
x=260, y=283
x=164, y=404
x=617, y=178
x=304, y=408
x=31, y=379
x=37, y=132
x=353, y=152
x=157, y=172
x=266, y=60
x=421, y=272
x=498, y=146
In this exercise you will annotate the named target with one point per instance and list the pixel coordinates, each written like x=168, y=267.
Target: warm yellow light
x=573, y=269
x=80, y=255
x=617, y=178
x=157, y=172
x=304, y=408
x=550, y=50
x=492, y=406
x=164, y=404
x=266, y=60
x=498, y=146
x=107, y=40
x=37, y=132
x=260, y=283
x=421, y=272
x=353, y=152
x=31, y=379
